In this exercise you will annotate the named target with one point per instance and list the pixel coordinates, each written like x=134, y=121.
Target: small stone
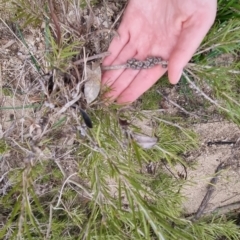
x=140, y=64
x=164, y=64
x=150, y=59
x=157, y=60
x=147, y=63
x=133, y=67
x=131, y=61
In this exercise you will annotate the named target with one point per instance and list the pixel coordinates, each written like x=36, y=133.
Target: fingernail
x=179, y=76
x=175, y=80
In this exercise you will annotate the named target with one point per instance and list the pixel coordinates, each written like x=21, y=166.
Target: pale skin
x=171, y=29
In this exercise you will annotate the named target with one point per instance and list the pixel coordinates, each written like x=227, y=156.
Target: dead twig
x=100, y=55
x=135, y=64
x=201, y=92
x=210, y=190
x=117, y=18
x=203, y=67
x=177, y=106
x=55, y=21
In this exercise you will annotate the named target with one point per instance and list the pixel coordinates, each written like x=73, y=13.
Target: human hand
x=171, y=29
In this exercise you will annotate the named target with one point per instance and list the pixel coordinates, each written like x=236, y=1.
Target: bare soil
x=219, y=144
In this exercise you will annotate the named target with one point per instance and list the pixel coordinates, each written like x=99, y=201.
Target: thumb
x=191, y=36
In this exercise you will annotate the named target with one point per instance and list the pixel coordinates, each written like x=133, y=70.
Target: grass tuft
x=61, y=179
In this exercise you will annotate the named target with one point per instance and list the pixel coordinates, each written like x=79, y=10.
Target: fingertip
x=190, y=38
x=174, y=76
x=140, y=84
x=116, y=46
x=125, y=100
